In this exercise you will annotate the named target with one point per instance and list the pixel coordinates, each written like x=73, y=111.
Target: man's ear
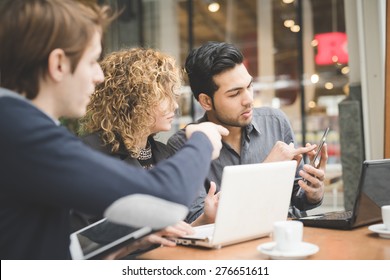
x=205, y=101
x=58, y=64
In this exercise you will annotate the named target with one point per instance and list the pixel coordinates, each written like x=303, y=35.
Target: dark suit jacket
x=45, y=171
x=159, y=151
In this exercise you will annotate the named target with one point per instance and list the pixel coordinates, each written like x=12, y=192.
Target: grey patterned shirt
x=268, y=126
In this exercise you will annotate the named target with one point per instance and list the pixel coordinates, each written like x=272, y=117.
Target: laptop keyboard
x=340, y=215
x=202, y=232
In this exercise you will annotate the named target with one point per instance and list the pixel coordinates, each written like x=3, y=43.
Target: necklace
x=146, y=154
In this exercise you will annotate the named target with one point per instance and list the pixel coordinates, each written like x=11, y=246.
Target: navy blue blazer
x=160, y=151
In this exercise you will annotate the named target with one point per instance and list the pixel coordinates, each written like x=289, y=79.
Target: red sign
x=332, y=48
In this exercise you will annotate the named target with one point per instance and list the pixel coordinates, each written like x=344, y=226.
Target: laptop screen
x=375, y=191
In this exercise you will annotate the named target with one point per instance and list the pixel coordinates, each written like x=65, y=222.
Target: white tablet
x=102, y=238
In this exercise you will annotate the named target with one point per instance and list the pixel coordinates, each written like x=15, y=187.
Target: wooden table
x=357, y=244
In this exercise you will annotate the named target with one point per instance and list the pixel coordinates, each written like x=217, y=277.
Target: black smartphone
x=313, y=161
x=319, y=148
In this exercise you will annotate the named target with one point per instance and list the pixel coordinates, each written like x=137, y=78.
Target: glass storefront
x=295, y=50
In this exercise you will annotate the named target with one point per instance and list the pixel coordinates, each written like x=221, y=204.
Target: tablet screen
x=102, y=238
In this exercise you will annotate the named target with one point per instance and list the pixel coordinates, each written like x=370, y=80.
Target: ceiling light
x=213, y=7
x=288, y=23
x=329, y=85
x=314, y=78
x=295, y=28
x=345, y=70
x=312, y=104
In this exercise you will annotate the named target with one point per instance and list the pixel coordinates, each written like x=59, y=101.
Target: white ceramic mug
x=287, y=235
x=386, y=216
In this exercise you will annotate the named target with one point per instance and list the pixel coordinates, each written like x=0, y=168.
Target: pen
x=207, y=185
x=296, y=182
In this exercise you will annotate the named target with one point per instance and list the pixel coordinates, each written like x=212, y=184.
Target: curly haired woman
x=136, y=101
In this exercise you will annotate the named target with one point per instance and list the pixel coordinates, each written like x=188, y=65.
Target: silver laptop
x=253, y=197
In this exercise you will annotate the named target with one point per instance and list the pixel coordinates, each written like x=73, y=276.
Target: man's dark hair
x=211, y=59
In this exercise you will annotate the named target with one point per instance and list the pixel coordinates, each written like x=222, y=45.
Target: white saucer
x=305, y=250
x=381, y=230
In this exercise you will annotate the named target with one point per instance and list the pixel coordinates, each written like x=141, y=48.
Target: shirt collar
x=203, y=118
x=255, y=126
x=9, y=93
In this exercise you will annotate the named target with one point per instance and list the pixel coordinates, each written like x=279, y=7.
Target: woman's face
x=164, y=115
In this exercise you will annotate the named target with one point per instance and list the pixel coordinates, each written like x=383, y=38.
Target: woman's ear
x=205, y=101
x=57, y=64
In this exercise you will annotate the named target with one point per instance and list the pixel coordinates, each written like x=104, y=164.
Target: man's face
x=233, y=101
x=81, y=84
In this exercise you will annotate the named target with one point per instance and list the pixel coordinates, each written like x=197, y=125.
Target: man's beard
x=231, y=122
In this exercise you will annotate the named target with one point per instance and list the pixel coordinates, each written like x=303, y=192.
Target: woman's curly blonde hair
x=122, y=107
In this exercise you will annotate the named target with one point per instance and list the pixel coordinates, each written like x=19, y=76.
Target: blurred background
x=320, y=61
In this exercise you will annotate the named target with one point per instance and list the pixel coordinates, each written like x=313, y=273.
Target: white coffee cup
x=386, y=216
x=287, y=235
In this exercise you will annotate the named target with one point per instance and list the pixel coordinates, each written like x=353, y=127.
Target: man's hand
x=210, y=207
x=314, y=176
x=213, y=131
x=281, y=152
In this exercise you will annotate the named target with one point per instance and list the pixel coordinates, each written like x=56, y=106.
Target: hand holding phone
x=313, y=162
